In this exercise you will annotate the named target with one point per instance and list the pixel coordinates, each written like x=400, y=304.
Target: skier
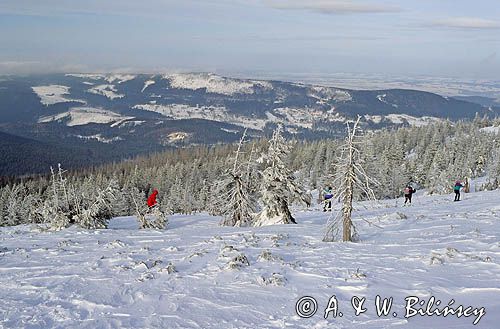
x=409, y=190
x=152, y=199
x=456, y=188
x=327, y=198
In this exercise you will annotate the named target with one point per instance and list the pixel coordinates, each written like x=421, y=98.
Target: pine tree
x=95, y=207
x=278, y=184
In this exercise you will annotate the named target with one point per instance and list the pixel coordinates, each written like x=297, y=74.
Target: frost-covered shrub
x=276, y=279
x=148, y=218
x=238, y=261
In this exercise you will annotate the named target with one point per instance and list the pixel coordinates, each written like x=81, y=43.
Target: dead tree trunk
x=349, y=185
x=347, y=205
x=351, y=176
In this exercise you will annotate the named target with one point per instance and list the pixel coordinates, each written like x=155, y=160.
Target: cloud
x=135, y=8
x=467, y=23
x=8, y=67
x=334, y=6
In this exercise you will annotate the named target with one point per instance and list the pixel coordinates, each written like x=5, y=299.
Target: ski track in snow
x=118, y=278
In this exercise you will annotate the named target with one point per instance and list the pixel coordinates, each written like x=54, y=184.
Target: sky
x=448, y=38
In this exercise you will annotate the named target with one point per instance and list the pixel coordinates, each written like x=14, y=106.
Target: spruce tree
x=278, y=184
x=236, y=202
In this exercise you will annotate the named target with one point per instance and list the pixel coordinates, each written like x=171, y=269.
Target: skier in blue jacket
x=327, y=198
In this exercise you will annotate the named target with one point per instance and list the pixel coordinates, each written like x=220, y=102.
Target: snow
x=382, y=97
x=119, y=78
x=100, y=138
x=147, y=84
x=491, y=130
x=231, y=131
x=177, y=136
x=325, y=94
x=412, y=121
x=214, y=113
x=132, y=123
x=53, y=94
x=214, y=83
x=110, y=78
x=78, y=116
x=108, y=91
x=298, y=117
x=86, y=76
x=373, y=118
x=228, y=277
x=305, y=117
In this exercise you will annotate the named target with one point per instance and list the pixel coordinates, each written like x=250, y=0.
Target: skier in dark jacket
x=456, y=188
x=409, y=190
x=152, y=199
x=327, y=198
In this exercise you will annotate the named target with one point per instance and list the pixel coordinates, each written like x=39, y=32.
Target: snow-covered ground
x=298, y=117
x=120, y=277
x=100, y=138
x=78, y=116
x=108, y=91
x=53, y=94
x=147, y=84
x=402, y=118
x=110, y=78
x=214, y=83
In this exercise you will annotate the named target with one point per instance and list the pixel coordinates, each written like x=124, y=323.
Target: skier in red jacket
x=152, y=199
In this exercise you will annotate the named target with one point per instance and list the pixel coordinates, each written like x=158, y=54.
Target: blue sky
x=407, y=37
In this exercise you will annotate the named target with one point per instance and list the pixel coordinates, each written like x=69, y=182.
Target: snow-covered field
x=54, y=94
x=298, y=117
x=78, y=116
x=108, y=91
x=122, y=277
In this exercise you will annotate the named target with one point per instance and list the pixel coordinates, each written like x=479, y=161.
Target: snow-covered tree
x=86, y=204
x=278, y=184
x=147, y=218
x=94, y=205
x=56, y=209
x=351, y=176
x=234, y=199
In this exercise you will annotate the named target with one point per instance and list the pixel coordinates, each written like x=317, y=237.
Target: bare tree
x=350, y=178
x=235, y=200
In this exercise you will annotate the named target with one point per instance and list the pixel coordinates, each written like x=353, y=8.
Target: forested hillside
x=99, y=118
x=432, y=156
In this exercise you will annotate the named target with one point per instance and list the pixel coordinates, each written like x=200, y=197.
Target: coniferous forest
x=197, y=179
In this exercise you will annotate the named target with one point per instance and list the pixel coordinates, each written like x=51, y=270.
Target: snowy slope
x=295, y=117
x=119, y=278
x=53, y=94
x=107, y=90
x=214, y=83
x=78, y=116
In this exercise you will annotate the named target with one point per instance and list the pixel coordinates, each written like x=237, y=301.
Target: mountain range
x=85, y=119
